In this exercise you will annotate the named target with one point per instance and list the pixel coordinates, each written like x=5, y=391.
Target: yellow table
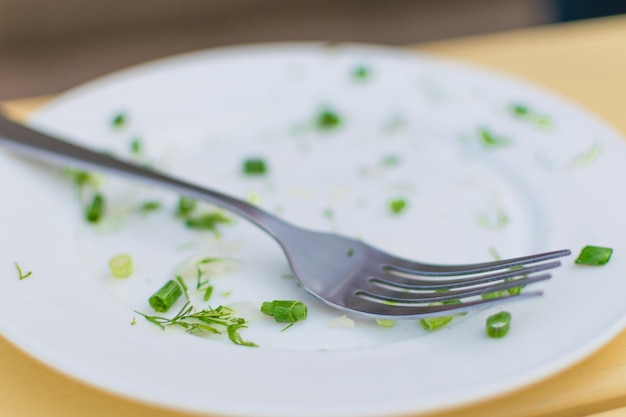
x=585, y=61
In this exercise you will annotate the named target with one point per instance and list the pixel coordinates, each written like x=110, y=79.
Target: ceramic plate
x=486, y=166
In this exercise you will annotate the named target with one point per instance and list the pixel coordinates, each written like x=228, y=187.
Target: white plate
x=200, y=115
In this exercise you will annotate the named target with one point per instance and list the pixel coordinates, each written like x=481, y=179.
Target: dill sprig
x=209, y=320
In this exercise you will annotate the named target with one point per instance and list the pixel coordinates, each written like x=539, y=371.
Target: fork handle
x=35, y=144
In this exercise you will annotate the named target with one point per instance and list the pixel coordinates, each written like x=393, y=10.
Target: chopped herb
x=121, y=266
x=285, y=311
x=133, y=321
x=22, y=275
x=397, y=205
x=95, y=210
x=492, y=295
x=520, y=110
x=492, y=141
x=342, y=321
x=587, y=157
x=183, y=286
x=166, y=296
x=501, y=220
x=149, y=206
x=434, y=323
x=511, y=291
x=328, y=119
x=208, y=291
x=136, y=146
x=385, y=322
x=254, y=198
x=186, y=206
x=350, y=252
x=119, y=120
x=226, y=294
x=523, y=112
x=594, y=255
x=497, y=325
x=207, y=321
x=254, y=167
x=83, y=178
x=390, y=161
x=361, y=73
x=207, y=221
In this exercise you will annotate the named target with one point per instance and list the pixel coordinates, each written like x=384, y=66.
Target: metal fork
x=345, y=273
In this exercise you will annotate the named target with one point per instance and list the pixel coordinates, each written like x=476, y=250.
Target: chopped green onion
x=285, y=311
x=492, y=141
x=519, y=110
x=594, y=255
x=328, y=120
x=498, y=325
x=254, y=198
x=149, y=206
x=350, y=252
x=121, y=266
x=385, y=322
x=186, y=206
x=166, y=296
x=136, y=146
x=587, y=157
x=254, y=167
x=390, y=161
x=434, y=323
x=361, y=73
x=21, y=273
x=207, y=221
x=83, y=178
x=119, y=120
x=397, y=205
x=95, y=209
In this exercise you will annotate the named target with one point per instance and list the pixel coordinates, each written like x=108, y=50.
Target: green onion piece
x=207, y=221
x=520, y=110
x=121, y=266
x=83, y=178
x=328, y=120
x=490, y=140
x=434, y=323
x=149, y=206
x=390, y=161
x=397, y=205
x=498, y=325
x=361, y=73
x=254, y=167
x=136, y=146
x=350, y=252
x=119, y=120
x=594, y=255
x=385, y=322
x=95, y=209
x=166, y=296
x=21, y=273
x=185, y=207
x=285, y=311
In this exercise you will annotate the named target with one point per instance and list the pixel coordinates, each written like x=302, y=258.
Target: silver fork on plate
x=345, y=273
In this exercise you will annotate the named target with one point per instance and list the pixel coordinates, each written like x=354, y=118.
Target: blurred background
x=48, y=46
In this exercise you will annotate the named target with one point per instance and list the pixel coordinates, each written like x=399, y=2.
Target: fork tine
x=393, y=279
x=397, y=295
x=416, y=268
x=393, y=311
